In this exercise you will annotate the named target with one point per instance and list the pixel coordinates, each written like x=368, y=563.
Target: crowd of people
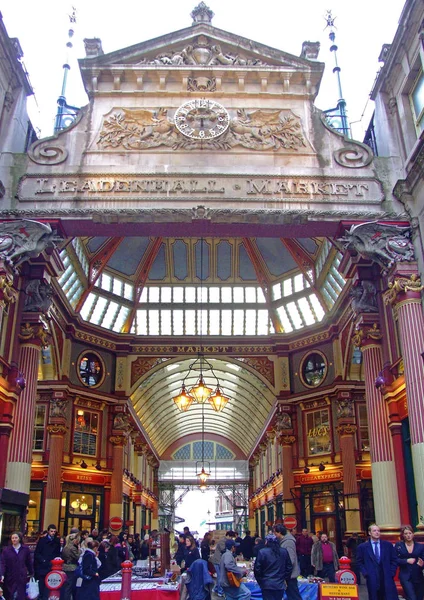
x=90, y=557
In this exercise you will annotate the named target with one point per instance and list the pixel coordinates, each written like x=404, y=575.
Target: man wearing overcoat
x=377, y=561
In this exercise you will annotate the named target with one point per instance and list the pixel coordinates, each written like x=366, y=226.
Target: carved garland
x=346, y=429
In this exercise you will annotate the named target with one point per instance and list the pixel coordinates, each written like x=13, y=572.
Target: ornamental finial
x=202, y=14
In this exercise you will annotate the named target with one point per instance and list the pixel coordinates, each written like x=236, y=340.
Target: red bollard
x=345, y=574
x=126, y=567
x=55, y=579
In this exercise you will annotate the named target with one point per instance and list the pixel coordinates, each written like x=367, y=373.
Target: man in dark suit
x=48, y=548
x=376, y=559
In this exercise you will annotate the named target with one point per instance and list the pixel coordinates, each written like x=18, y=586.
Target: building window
x=313, y=369
x=34, y=512
x=90, y=369
x=85, y=432
x=417, y=102
x=39, y=427
x=364, y=437
x=318, y=432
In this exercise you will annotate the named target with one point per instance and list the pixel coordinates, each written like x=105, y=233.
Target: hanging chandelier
x=200, y=392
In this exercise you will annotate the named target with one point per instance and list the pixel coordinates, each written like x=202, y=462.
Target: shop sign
x=338, y=591
x=37, y=473
x=129, y=523
x=77, y=477
x=319, y=477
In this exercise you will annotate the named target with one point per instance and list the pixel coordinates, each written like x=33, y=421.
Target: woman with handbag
x=15, y=566
x=90, y=580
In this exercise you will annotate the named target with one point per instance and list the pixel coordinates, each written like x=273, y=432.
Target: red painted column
x=347, y=432
x=396, y=432
x=18, y=475
x=404, y=295
x=116, y=484
x=57, y=431
x=385, y=491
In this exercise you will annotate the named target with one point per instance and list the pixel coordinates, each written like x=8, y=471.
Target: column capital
x=287, y=440
x=56, y=429
x=8, y=294
x=118, y=440
x=35, y=333
x=346, y=429
x=404, y=289
x=367, y=335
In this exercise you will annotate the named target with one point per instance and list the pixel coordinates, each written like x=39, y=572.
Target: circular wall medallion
x=202, y=119
x=313, y=369
x=90, y=369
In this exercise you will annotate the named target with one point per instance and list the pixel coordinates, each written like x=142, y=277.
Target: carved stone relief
x=138, y=129
x=383, y=244
x=38, y=296
x=24, y=239
x=202, y=52
x=364, y=297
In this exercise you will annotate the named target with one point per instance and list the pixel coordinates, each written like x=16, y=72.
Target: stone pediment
x=201, y=45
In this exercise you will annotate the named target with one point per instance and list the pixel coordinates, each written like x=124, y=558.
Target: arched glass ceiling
x=242, y=420
x=153, y=287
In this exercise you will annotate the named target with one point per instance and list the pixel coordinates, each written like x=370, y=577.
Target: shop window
x=39, y=427
x=417, y=102
x=90, y=369
x=364, y=437
x=313, y=369
x=81, y=504
x=318, y=432
x=34, y=512
x=85, y=432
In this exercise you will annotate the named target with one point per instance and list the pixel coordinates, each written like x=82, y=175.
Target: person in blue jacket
x=90, y=564
x=410, y=555
x=377, y=561
x=272, y=568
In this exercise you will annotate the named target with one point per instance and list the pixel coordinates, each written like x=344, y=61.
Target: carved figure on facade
x=345, y=408
x=201, y=84
x=202, y=52
x=58, y=408
x=364, y=297
x=283, y=421
x=382, y=243
x=260, y=130
x=121, y=422
x=39, y=296
x=24, y=239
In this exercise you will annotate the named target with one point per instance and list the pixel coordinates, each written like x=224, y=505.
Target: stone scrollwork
x=24, y=239
x=355, y=156
x=48, y=152
x=401, y=285
x=139, y=129
x=201, y=84
x=382, y=243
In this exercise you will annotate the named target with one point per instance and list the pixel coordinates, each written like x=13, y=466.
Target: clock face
x=202, y=119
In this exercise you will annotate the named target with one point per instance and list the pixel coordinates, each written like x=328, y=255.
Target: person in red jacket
x=16, y=566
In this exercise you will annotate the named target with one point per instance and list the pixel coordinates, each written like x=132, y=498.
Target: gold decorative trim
x=346, y=429
x=57, y=429
x=93, y=339
x=313, y=339
x=7, y=292
x=118, y=440
x=35, y=332
x=366, y=333
x=402, y=285
x=287, y=440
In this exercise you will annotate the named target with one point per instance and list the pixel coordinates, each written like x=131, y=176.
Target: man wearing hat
x=228, y=564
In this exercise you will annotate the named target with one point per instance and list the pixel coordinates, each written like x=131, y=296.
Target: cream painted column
x=384, y=483
x=18, y=474
x=404, y=295
x=54, y=474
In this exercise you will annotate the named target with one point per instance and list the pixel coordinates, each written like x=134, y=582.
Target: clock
x=202, y=119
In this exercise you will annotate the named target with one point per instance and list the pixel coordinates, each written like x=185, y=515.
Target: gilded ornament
x=346, y=429
x=35, y=332
x=287, y=440
x=118, y=440
x=7, y=292
x=401, y=285
x=57, y=429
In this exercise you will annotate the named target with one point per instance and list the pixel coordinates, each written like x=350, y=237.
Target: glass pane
x=226, y=322
x=263, y=322
x=166, y=295
x=238, y=294
x=97, y=315
x=316, y=305
x=106, y=282
x=238, y=322
x=178, y=317
x=214, y=324
x=318, y=432
x=294, y=315
x=178, y=294
x=298, y=283
x=285, y=321
x=250, y=294
x=141, y=322
x=276, y=291
x=287, y=288
x=165, y=328
x=118, y=286
x=153, y=322
x=250, y=322
x=214, y=294
x=154, y=294
x=227, y=294
x=190, y=294
x=128, y=291
x=190, y=325
x=306, y=311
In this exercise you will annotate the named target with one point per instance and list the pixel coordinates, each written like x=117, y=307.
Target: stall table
x=141, y=589
x=308, y=591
